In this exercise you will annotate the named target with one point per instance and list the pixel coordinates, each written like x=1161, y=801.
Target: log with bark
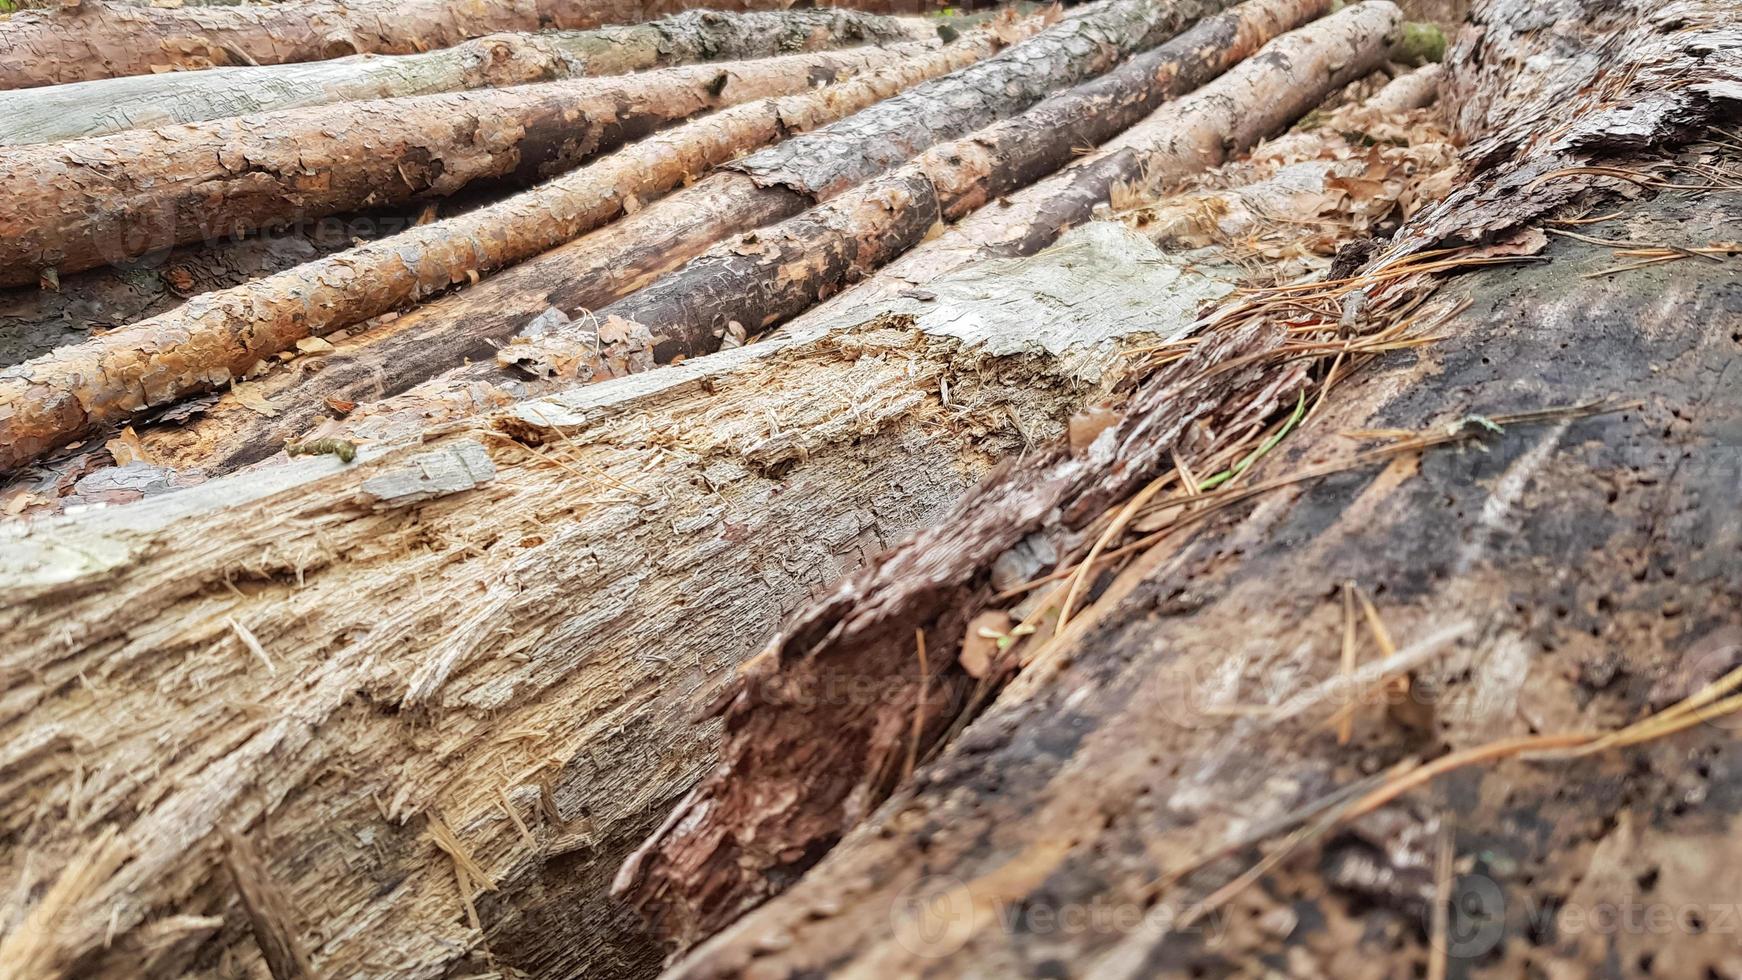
x=1120, y=762
x=444, y=688
x=224, y=332
x=152, y=189
x=65, y=112
x=90, y=40
x=768, y=277
x=759, y=189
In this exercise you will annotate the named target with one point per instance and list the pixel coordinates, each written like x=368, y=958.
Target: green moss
x=1420, y=43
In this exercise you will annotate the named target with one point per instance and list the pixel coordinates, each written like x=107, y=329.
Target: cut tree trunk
x=762, y=188
x=113, y=198
x=159, y=360
x=65, y=112
x=91, y=40
x=480, y=647
x=1093, y=779
x=774, y=274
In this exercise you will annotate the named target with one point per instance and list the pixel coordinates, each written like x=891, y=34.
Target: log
x=762, y=188
x=91, y=39
x=225, y=333
x=1093, y=780
x=1052, y=829
x=156, y=188
x=774, y=274
x=95, y=108
x=1185, y=137
x=380, y=672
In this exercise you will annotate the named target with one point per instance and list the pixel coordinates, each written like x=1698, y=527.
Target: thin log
x=112, y=198
x=760, y=189
x=66, y=112
x=510, y=634
x=767, y=278
x=1043, y=766
x=222, y=334
x=35, y=321
x=91, y=39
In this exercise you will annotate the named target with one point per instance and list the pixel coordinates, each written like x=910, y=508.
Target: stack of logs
x=366, y=594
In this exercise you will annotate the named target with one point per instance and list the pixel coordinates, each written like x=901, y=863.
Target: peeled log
x=91, y=39
x=220, y=335
x=65, y=112
x=762, y=188
x=777, y=273
x=112, y=198
x=330, y=659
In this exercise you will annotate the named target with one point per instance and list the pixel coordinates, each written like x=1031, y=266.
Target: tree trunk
x=156, y=188
x=1100, y=772
x=91, y=39
x=223, y=334
x=57, y=113
x=772, y=275
x=367, y=668
x=593, y=271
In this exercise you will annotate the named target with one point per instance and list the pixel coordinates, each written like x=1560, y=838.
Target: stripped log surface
x=366, y=669
x=222, y=334
x=65, y=112
x=156, y=188
x=91, y=40
x=774, y=274
x=761, y=188
x=1072, y=839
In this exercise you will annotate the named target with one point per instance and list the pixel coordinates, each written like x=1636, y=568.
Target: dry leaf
x=253, y=398
x=126, y=448
x=314, y=345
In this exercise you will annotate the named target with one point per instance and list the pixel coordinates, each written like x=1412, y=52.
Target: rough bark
x=219, y=337
x=90, y=40
x=1184, y=137
x=113, y=198
x=1577, y=575
x=66, y=112
x=830, y=767
x=774, y=274
x=345, y=662
x=593, y=271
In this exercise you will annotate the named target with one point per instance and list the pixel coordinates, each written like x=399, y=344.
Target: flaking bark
x=91, y=40
x=65, y=112
x=111, y=198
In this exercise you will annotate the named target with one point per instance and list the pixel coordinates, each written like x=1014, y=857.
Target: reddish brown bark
x=219, y=336
x=90, y=39
x=112, y=198
x=724, y=850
